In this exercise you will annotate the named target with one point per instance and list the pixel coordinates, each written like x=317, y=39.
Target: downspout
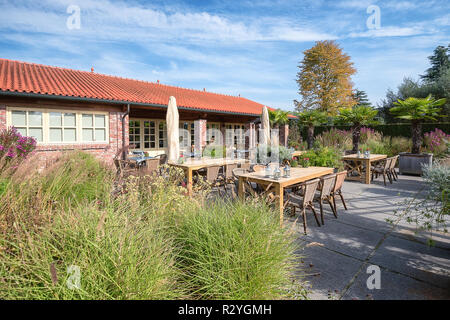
x=124, y=151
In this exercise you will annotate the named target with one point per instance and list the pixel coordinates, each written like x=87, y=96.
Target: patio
x=336, y=255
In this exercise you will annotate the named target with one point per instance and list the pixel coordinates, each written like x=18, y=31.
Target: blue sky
x=251, y=48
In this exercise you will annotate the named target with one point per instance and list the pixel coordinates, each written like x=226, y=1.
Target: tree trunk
x=416, y=133
x=310, y=136
x=356, y=134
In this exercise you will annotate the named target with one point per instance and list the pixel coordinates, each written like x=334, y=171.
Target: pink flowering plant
x=437, y=142
x=14, y=146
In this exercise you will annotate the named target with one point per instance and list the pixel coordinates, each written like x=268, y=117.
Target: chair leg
x=321, y=210
x=332, y=208
x=343, y=201
x=315, y=215
x=304, y=219
x=384, y=178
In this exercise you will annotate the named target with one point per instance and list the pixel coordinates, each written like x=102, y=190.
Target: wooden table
x=298, y=175
x=354, y=163
x=191, y=165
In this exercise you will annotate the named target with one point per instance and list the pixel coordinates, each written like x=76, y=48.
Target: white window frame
x=46, y=124
x=157, y=137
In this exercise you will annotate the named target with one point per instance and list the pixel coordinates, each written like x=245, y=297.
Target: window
x=50, y=126
x=135, y=133
x=190, y=127
x=211, y=129
x=63, y=127
x=149, y=134
x=162, y=134
x=235, y=135
x=93, y=127
x=28, y=123
x=145, y=134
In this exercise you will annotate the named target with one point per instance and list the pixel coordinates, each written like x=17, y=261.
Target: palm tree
x=311, y=119
x=417, y=110
x=278, y=117
x=357, y=117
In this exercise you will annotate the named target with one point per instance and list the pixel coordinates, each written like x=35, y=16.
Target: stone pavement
x=337, y=254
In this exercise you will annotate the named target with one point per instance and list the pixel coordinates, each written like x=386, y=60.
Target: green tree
x=357, y=117
x=324, y=78
x=417, y=110
x=278, y=117
x=311, y=119
x=440, y=61
x=361, y=98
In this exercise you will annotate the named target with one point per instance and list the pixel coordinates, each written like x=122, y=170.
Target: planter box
x=411, y=163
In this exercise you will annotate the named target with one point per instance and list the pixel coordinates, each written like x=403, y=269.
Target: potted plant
x=416, y=110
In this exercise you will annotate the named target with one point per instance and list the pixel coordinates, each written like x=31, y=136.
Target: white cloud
x=390, y=31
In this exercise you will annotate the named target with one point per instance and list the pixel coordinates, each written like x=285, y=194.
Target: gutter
x=117, y=102
x=124, y=151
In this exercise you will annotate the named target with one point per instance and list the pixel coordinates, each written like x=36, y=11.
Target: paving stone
x=394, y=286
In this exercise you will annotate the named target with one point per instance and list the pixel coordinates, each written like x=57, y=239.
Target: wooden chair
x=384, y=170
x=213, y=178
x=392, y=168
x=151, y=165
x=337, y=189
x=258, y=168
x=124, y=166
x=162, y=159
x=305, y=202
x=327, y=184
x=245, y=165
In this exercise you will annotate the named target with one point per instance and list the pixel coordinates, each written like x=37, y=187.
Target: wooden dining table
x=191, y=165
x=297, y=175
x=353, y=163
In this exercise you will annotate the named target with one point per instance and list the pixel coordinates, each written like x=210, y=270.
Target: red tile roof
x=23, y=77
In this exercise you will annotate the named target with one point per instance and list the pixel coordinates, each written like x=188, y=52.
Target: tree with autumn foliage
x=324, y=79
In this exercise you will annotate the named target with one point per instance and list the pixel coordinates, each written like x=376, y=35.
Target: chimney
x=204, y=89
x=157, y=81
x=92, y=69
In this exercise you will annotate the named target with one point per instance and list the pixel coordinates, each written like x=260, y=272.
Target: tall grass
x=234, y=251
x=135, y=238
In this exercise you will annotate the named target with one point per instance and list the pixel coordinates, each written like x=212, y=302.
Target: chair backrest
x=229, y=170
x=393, y=162
x=340, y=177
x=387, y=163
x=328, y=183
x=258, y=167
x=310, y=190
x=117, y=164
x=212, y=173
x=152, y=164
x=246, y=166
x=162, y=159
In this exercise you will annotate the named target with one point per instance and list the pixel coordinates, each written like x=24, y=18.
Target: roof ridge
x=123, y=78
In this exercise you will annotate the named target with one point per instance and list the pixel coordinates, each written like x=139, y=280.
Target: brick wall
x=2, y=116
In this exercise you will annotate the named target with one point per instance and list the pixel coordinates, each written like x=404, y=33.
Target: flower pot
x=411, y=163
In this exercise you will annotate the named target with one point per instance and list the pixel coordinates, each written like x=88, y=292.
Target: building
x=67, y=109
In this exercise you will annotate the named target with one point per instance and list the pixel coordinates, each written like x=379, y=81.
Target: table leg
x=241, y=188
x=367, y=178
x=279, y=191
x=189, y=181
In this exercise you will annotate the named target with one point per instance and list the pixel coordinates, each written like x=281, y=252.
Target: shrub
x=430, y=208
x=235, y=251
x=368, y=134
x=324, y=157
x=14, y=148
x=335, y=138
x=436, y=142
x=264, y=153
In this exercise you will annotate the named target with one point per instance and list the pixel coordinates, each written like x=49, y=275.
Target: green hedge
x=393, y=130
